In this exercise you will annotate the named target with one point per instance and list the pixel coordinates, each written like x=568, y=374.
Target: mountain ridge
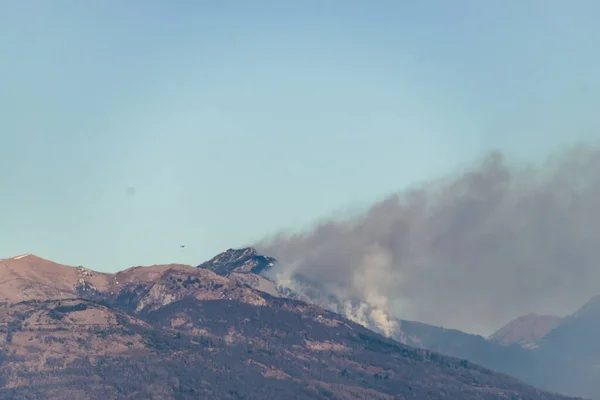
x=176, y=332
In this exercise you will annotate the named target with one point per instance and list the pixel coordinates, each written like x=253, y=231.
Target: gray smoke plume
x=469, y=251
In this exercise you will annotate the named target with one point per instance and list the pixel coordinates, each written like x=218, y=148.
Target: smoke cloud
x=469, y=251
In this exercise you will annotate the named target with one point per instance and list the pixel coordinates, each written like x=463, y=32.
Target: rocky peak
x=246, y=260
x=525, y=330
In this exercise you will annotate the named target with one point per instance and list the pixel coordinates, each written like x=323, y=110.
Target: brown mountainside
x=179, y=332
x=29, y=277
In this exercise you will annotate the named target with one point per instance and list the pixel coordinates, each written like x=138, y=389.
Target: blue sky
x=235, y=119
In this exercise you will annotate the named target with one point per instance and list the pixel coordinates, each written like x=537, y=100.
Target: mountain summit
x=245, y=260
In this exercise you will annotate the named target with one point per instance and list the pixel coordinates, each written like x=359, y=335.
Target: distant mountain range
x=557, y=354
x=222, y=331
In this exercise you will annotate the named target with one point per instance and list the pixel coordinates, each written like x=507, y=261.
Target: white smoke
x=372, y=312
x=372, y=274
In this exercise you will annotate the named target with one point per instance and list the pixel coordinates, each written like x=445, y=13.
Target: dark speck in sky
x=130, y=191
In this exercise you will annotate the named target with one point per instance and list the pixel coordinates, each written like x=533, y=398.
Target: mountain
x=574, y=344
x=525, y=330
x=511, y=360
x=544, y=351
x=556, y=354
x=179, y=332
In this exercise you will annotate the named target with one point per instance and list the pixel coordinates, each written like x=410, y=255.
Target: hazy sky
x=129, y=128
